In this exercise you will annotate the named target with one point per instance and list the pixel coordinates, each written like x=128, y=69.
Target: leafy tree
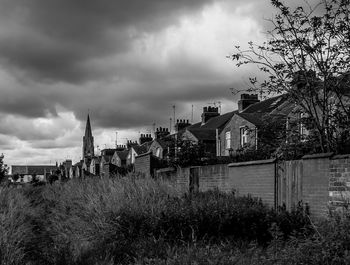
x=307, y=57
x=3, y=169
x=187, y=153
x=15, y=177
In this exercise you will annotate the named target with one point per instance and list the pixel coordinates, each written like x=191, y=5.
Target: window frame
x=228, y=140
x=243, y=136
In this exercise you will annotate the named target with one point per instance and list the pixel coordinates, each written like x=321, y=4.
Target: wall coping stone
x=166, y=169
x=149, y=152
x=255, y=162
x=316, y=156
x=341, y=156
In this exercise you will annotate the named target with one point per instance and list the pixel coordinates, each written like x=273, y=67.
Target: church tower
x=88, y=141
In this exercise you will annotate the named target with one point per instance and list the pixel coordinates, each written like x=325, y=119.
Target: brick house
x=106, y=157
x=207, y=131
x=95, y=165
x=119, y=158
x=243, y=128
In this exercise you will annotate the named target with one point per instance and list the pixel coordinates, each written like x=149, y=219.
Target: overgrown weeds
x=143, y=221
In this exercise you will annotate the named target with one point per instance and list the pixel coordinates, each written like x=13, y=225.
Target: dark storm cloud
x=55, y=39
x=71, y=53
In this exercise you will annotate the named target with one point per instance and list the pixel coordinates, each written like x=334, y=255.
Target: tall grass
x=84, y=217
x=16, y=228
x=142, y=221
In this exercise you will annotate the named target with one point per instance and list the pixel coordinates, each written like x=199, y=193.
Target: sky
x=124, y=62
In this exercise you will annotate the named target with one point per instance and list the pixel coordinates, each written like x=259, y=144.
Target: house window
x=302, y=128
x=158, y=152
x=244, y=136
x=228, y=140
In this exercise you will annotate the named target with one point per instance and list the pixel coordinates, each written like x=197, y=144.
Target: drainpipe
x=218, y=151
x=276, y=185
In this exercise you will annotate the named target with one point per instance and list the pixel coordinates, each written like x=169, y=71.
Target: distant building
x=119, y=158
x=95, y=165
x=28, y=172
x=66, y=169
x=106, y=157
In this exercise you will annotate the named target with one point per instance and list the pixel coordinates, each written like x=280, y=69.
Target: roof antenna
x=192, y=115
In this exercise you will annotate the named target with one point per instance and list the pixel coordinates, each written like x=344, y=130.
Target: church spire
x=88, y=132
x=88, y=140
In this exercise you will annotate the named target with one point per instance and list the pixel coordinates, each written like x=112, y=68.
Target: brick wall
x=315, y=181
x=339, y=182
x=256, y=178
x=214, y=176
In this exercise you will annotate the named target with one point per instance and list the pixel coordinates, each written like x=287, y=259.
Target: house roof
x=267, y=105
x=97, y=159
x=204, y=134
x=123, y=154
x=164, y=142
x=141, y=149
x=78, y=164
x=278, y=106
x=33, y=170
x=207, y=131
x=217, y=122
x=108, y=152
x=255, y=118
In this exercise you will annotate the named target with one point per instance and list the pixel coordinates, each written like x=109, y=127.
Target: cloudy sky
x=127, y=62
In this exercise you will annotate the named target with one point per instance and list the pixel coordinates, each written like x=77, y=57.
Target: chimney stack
x=130, y=143
x=144, y=138
x=161, y=132
x=120, y=147
x=247, y=100
x=181, y=124
x=208, y=113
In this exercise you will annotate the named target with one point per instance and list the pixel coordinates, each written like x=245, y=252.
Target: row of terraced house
x=220, y=135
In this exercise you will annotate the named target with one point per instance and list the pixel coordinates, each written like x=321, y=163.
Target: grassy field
x=142, y=221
